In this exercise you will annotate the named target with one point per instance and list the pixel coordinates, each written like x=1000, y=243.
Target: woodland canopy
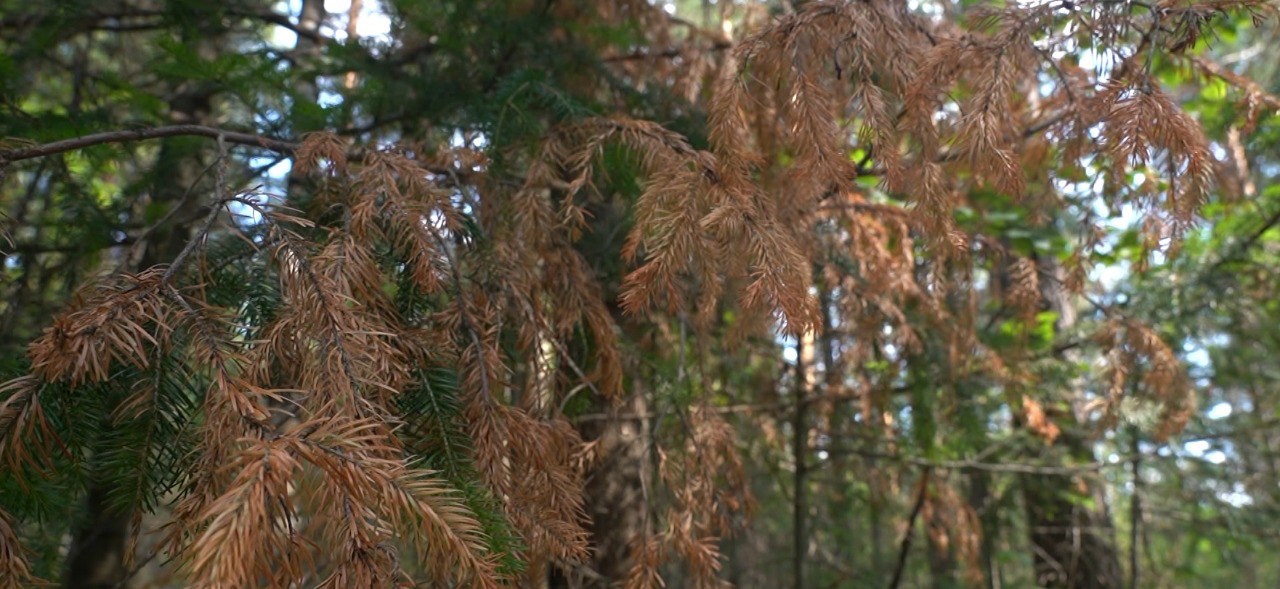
x=639, y=293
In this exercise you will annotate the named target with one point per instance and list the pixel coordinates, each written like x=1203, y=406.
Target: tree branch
x=906, y=536
x=282, y=146
x=100, y=21
x=31, y=249
x=974, y=465
x=25, y=153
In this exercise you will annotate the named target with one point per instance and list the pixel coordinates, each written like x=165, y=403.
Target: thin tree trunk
x=904, y=548
x=800, y=439
x=1135, y=512
x=805, y=389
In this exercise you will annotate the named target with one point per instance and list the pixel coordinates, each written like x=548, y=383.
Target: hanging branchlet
x=1023, y=295
x=14, y=570
x=1138, y=360
x=29, y=440
x=710, y=498
x=114, y=324
x=953, y=528
x=1144, y=130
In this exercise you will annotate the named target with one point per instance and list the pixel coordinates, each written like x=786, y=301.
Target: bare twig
x=220, y=201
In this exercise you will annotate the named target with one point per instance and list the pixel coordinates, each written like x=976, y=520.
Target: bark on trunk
x=615, y=497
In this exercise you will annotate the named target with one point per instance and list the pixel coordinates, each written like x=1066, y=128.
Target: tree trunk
x=982, y=501
x=615, y=496
x=1072, y=538
x=1071, y=531
x=97, y=556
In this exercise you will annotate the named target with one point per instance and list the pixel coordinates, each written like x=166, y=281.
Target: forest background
x=570, y=293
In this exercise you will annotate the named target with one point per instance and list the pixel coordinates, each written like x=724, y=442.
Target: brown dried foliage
x=708, y=484
x=953, y=529
x=14, y=571
x=1141, y=363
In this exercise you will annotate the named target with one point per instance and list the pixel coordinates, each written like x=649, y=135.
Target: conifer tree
x=518, y=315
